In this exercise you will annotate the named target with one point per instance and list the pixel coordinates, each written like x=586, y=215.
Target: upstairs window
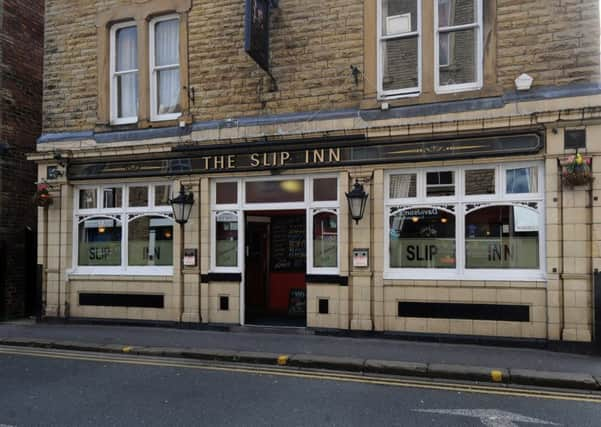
x=164, y=68
x=124, y=73
x=399, y=47
x=458, y=45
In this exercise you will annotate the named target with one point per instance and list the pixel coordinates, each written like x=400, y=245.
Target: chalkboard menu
x=288, y=244
x=297, y=302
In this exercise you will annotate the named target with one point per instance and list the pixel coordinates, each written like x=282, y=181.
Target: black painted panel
x=324, y=306
x=501, y=312
x=122, y=300
x=221, y=277
x=326, y=278
x=224, y=303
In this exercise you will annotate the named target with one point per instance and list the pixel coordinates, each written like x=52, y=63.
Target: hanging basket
x=44, y=201
x=576, y=171
x=42, y=196
x=578, y=178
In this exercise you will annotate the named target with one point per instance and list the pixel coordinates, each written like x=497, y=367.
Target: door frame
x=241, y=208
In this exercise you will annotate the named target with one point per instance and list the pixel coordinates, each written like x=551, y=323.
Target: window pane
x=440, y=184
x=226, y=250
x=162, y=193
x=479, y=181
x=291, y=190
x=399, y=61
x=99, y=242
x=166, y=39
x=325, y=189
x=459, y=66
x=138, y=196
x=127, y=49
x=325, y=240
x=87, y=199
x=422, y=238
x=456, y=12
x=522, y=180
x=502, y=237
x=112, y=197
x=127, y=95
x=227, y=193
x=403, y=186
x=168, y=91
x=150, y=241
x=399, y=16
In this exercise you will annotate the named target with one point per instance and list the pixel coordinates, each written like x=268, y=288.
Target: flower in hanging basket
x=42, y=196
x=576, y=170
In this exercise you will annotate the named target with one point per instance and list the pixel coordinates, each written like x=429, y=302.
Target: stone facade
x=313, y=45
x=314, y=100
x=21, y=35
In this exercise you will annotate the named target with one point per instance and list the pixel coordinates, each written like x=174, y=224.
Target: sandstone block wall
x=555, y=41
x=313, y=45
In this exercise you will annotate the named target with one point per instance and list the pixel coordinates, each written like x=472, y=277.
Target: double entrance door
x=276, y=259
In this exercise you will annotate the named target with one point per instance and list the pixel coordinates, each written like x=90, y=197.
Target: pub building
x=427, y=214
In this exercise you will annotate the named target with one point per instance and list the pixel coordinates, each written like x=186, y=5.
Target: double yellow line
x=501, y=390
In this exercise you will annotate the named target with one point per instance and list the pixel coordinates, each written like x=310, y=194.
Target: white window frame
x=114, y=100
x=460, y=201
x=405, y=92
x=478, y=27
x=239, y=208
x=126, y=215
x=154, y=115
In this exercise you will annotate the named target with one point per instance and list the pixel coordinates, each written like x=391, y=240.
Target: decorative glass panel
x=290, y=190
x=87, y=199
x=150, y=241
x=502, y=237
x=522, y=180
x=227, y=193
x=162, y=195
x=422, y=238
x=440, y=184
x=226, y=249
x=112, y=197
x=479, y=182
x=99, y=242
x=325, y=240
x=403, y=186
x=325, y=189
x=138, y=196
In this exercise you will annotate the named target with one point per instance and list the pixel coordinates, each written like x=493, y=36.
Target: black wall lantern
x=182, y=206
x=357, y=200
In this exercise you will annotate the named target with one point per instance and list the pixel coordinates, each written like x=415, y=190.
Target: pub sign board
x=256, y=33
x=190, y=159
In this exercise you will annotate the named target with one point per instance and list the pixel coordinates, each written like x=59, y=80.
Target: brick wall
x=555, y=41
x=21, y=38
x=314, y=43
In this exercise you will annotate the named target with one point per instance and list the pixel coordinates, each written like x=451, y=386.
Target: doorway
x=276, y=260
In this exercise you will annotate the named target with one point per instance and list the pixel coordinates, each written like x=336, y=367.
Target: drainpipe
x=562, y=264
x=181, y=273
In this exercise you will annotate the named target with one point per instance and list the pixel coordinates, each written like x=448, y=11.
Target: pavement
x=305, y=349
